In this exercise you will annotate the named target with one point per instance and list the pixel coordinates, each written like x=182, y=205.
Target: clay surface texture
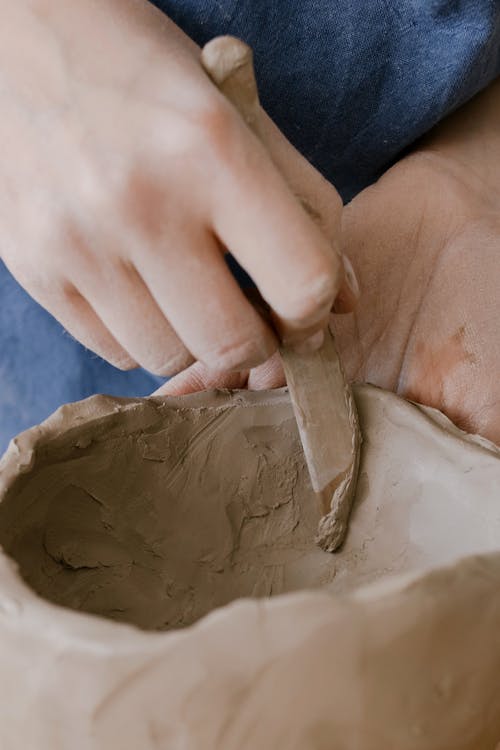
x=158, y=512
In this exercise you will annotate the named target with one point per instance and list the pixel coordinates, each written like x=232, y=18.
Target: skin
x=425, y=244
x=427, y=328
x=139, y=176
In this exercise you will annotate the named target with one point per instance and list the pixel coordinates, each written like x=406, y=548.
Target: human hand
x=425, y=244
x=127, y=176
x=425, y=241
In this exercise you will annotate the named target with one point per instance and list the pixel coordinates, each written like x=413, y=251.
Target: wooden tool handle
x=229, y=63
x=321, y=397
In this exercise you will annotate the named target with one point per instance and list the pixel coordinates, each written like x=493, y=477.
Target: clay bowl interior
x=155, y=512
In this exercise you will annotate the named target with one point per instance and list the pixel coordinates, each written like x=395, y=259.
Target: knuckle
x=312, y=300
x=121, y=361
x=324, y=207
x=215, y=125
x=143, y=202
x=237, y=355
x=171, y=365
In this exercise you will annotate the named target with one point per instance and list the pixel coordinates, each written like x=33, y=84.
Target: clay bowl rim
x=94, y=631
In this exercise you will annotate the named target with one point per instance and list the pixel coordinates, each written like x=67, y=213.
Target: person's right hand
x=126, y=176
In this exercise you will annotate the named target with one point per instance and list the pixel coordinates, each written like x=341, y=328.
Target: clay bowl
x=158, y=514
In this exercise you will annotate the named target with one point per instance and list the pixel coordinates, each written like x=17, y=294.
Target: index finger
x=256, y=216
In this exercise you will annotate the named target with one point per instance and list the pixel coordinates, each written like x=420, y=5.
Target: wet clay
x=164, y=513
x=156, y=512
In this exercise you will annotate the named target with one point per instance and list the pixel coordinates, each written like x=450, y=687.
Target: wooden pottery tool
x=322, y=400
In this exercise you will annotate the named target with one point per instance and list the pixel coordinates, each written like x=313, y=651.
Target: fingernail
x=312, y=344
x=348, y=296
x=350, y=277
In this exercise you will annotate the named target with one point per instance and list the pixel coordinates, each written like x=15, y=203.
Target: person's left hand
x=425, y=242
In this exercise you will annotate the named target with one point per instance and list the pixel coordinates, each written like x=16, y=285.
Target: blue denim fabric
x=352, y=83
